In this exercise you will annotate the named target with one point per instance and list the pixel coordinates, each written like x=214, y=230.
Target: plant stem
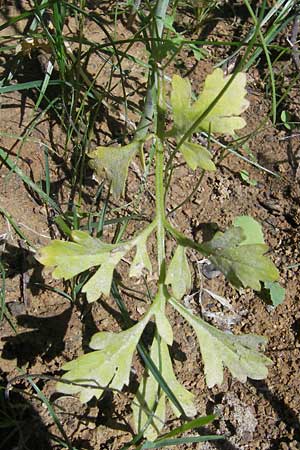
x=185, y=241
x=160, y=209
x=158, y=24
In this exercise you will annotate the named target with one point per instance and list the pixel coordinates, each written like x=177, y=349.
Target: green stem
x=160, y=210
x=185, y=241
x=158, y=24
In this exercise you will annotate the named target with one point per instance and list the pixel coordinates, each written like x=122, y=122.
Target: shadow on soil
x=285, y=413
x=45, y=337
x=21, y=428
x=19, y=261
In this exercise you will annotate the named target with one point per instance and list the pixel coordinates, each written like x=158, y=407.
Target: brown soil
x=257, y=415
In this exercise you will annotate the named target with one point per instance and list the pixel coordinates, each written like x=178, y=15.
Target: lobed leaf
x=240, y=255
x=179, y=275
x=196, y=155
x=71, y=258
x=162, y=323
x=181, y=103
x=252, y=230
x=141, y=260
x=109, y=365
x=277, y=292
x=184, y=397
x=149, y=404
x=114, y=161
x=240, y=354
x=224, y=117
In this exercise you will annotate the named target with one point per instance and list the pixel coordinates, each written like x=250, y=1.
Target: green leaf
x=114, y=161
x=187, y=426
x=141, y=260
x=286, y=120
x=162, y=323
x=181, y=103
x=230, y=238
x=149, y=403
x=197, y=52
x=100, y=283
x=179, y=275
x=277, y=292
x=71, y=258
x=168, y=23
x=188, y=440
x=225, y=115
x=252, y=230
x=246, y=178
x=185, y=398
x=196, y=155
x=240, y=354
x=242, y=264
x=109, y=366
x=149, y=406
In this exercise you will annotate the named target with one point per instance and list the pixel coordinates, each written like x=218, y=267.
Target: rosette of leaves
x=109, y=364
x=239, y=252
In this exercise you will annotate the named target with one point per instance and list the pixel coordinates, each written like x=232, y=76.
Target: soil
x=50, y=330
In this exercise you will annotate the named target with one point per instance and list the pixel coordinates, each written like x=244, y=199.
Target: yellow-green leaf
x=181, y=103
x=149, y=404
x=71, y=258
x=114, y=161
x=196, y=155
x=179, y=275
x=277, y=292
x=141, y=260
x=223, y=118
x=109, y=365
x=240, y=354
x=184, y=397
x=251, y=228
x=162, y=323
x=100, y=283
x=225, y=115
x=242, y=264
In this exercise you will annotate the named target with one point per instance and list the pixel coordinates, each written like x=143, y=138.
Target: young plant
x=239, y=253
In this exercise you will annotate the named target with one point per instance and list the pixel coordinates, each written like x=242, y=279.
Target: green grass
x=69, y=95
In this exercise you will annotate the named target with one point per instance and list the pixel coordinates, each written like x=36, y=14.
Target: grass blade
x=51, y=412
x=145, y=355
x=11, y=165
x=187, y=426
x=179, y=441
